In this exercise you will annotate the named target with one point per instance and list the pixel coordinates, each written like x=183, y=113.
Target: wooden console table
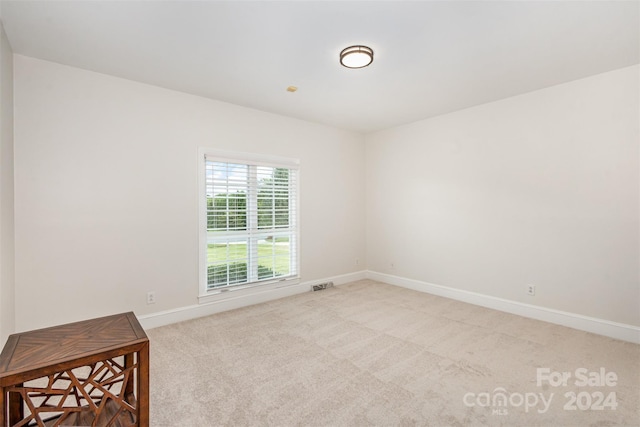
x=90, y=373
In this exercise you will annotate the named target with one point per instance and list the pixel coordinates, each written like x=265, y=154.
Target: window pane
x=227, y=263
x=273, y=197
x=282, y=219
x=227, y=186
x=273, y=257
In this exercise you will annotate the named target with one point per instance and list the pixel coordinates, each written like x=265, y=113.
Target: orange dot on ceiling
x=292, y=89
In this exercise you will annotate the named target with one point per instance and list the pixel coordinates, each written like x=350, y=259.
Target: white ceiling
x=430, y=57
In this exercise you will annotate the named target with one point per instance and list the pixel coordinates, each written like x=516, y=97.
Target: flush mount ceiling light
x=356, y=56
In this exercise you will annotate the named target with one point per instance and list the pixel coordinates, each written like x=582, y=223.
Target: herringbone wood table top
x=60, y=344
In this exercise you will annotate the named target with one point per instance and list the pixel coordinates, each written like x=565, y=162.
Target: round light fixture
x=356, y=56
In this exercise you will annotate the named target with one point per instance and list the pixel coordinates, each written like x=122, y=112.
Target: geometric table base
x=89, y=396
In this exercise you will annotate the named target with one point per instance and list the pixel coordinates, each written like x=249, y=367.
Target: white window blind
x=251, y=223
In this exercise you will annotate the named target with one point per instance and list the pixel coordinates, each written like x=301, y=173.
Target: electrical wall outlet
x=151, y=297
x=531, y=290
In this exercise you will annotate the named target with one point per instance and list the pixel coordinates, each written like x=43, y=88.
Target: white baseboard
x=607, y=328
x=162, y=318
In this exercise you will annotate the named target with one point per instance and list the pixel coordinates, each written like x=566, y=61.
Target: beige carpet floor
x=368, y=353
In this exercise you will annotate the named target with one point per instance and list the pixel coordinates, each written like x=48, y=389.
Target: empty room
x=319, y=213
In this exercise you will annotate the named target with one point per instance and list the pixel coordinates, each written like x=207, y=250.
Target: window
x=250, y=222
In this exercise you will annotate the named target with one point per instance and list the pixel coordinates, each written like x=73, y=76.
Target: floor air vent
x=321, y=286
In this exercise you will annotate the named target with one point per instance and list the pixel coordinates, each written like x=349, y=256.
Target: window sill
x=246, y=290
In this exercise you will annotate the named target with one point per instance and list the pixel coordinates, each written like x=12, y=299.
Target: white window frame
x=206, y=295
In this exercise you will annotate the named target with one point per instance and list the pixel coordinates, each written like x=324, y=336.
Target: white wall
x=106, y=191
x=541, y=188
x=7, y=309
